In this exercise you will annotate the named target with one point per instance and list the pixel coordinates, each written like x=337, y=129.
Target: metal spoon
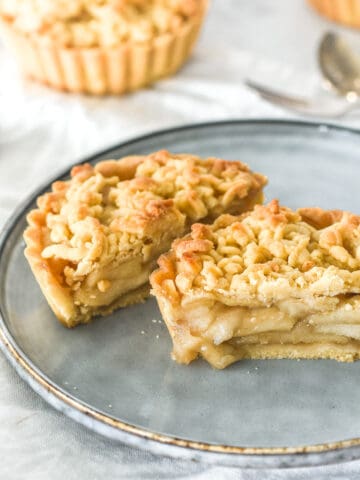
x=340, y=65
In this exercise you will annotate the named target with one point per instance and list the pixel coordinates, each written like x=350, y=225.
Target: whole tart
x=271, y=283
x=94, y=239
x=341, y=11
x=101, y=46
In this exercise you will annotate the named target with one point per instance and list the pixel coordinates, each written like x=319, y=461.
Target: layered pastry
x=101, y=46
x=271, y=283
x=94, y=239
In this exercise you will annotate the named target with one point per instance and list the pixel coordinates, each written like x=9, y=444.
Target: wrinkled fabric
x=42, y=131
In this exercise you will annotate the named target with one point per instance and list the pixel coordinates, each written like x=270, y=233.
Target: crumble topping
x=92, y=23
x=266, y=255
x=119, y=209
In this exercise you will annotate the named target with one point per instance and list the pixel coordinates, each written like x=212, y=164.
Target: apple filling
x=221, y=329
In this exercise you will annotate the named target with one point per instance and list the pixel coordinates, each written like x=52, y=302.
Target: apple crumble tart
x=101, y=46
x=94, y=240
x=271, y=283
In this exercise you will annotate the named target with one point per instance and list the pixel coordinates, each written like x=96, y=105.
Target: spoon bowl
x=340, y=65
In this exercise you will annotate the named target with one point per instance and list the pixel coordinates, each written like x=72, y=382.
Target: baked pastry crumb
x=94, y=239
x=95, y=23
x=271, y=283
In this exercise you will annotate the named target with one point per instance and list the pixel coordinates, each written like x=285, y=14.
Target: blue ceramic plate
x=115, y=375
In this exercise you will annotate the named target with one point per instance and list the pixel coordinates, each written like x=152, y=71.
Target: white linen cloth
x=42, y=131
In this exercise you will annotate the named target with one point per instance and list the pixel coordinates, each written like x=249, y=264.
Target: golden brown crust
x=327, y=351
x=319, y=218
x=269, y=253
x=342, y=11
x=126, y=211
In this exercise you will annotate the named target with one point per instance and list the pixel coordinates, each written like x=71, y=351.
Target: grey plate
x=115, y=375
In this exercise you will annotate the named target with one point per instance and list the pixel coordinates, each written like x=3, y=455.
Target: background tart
x=341, y=11
x=271, y=283
x=97, y=47
x=94, y=240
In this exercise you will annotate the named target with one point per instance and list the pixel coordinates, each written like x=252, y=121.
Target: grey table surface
x=42, y=131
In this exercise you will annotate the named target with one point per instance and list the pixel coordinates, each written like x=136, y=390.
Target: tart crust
x=346, y=12
x=271, y=283
x=108, y=48
x=94, y=239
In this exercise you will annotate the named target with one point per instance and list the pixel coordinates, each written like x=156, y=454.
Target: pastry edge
x=64, y=307
x=325, y=351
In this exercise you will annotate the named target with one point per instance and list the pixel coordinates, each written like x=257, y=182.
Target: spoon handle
x=303, y=106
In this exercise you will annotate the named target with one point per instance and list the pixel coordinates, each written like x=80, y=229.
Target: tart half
x=271, y=283
x=94, y=240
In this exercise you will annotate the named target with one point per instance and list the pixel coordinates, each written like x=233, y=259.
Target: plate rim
x=341, y=450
